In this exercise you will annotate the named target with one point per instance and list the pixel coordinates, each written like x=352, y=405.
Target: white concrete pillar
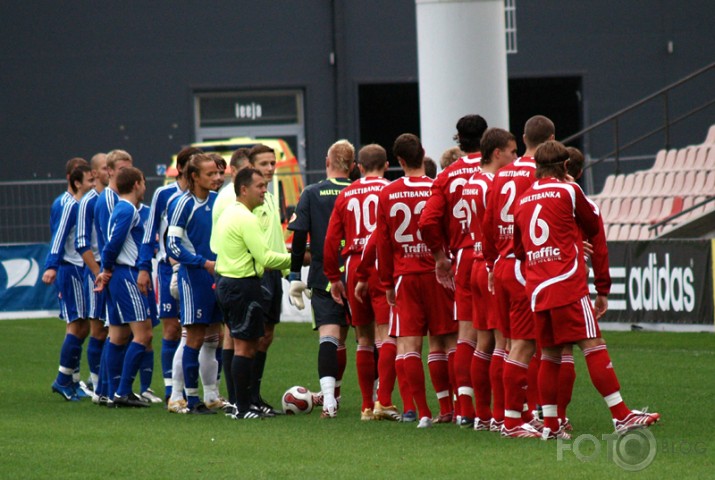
x=461, y=52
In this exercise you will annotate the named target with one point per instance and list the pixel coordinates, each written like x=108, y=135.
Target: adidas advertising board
x=21, y=287
x=666, y=281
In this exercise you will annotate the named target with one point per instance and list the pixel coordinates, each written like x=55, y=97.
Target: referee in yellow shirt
x=242, y=257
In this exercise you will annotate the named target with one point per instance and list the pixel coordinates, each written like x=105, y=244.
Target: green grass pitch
x=43, y=436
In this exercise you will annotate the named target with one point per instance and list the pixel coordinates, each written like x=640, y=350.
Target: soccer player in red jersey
x=550, y=220
x=452, y=228
x=598, y=251
x=498, y=150
x=406, y=269
x=351, y=223
x=515, y=316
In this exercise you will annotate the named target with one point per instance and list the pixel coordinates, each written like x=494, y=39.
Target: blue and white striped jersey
x=86, y=237
x=189, y=233
x=155, y=233
x=63, y=223
x=103, y=209
x=126, y=230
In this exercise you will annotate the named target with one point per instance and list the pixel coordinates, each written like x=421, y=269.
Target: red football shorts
x=375, y=307
x=422, y=305
x=567, y=324
x=516, y=320
x=484, y=306
x=463, y=294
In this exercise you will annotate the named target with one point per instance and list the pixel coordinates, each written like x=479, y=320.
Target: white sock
x=208, y=369
x=327, y=386
x=177, y=372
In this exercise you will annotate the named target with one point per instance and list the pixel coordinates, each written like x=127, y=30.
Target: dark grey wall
x=80, y=77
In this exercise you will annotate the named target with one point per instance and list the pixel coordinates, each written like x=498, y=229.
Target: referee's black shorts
x=240, y=302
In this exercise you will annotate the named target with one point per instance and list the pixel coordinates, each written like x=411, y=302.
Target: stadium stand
x=678, y=180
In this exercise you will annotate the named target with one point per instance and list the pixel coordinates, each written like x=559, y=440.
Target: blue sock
x=94, y=354
x=102, y=387
x=219, y=359
x=69, y=359
x=115, y=362
x=132, y=361
x=191, y=375
x=146, y=370
x=168, y=349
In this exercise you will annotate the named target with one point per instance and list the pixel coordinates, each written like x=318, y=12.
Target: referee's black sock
x=227, y=360
x=328, y=357
x=259, y=364
x=241, y=371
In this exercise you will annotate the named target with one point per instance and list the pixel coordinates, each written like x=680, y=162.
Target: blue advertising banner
x=21, y=286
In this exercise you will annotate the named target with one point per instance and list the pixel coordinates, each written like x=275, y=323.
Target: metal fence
x=25, y=208
x=25, y=205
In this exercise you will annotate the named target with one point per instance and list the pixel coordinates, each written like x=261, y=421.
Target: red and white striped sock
x=365, y=365
x=496, y=378
x=604, y=379
x=549, y=389
x=515, y=377
x=463, y=378
x=439, y=373
x=481, y=363
x=567, y=378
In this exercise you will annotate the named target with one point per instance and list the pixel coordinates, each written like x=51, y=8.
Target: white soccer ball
x=297, y=400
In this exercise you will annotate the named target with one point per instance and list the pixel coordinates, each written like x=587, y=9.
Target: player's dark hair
x=537, y=130
x=185, y=155
x=430, y=167
x=550, y=157
x=126, y=178
x=257, y=150
x=73, y=163
x=576, y=161
x=237, y=156
x=244, y=178
x=470, y=129
x=77, y=175
x=218, y=160
x=494, y=139
x=409, y=148
x=372, y=157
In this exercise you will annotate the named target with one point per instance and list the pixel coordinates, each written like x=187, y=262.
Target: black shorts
x=325, y=310
x=240, y=302
x=272, y=287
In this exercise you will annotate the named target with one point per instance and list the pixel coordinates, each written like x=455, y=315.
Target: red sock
x=403, y=384
x=481, y=362
x=386, y=372
x=439, y=373
x=414, y=371
x=342, y=363
x=463, y=378
x=515, y=378
x=452, y=369
x=567, y=377
x=548, y=390
x=496, y=379
x=365, y=363
x=604, y=379
x=532, y=384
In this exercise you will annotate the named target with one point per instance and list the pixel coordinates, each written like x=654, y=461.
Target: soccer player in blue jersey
x=86, y=245
x=129, y=310
x=188, y=243
x=63, y=267
x=154, y=246
x=117, y=160
x=311, y=217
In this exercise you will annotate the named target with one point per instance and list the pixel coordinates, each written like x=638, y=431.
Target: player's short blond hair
x=117, y=156
x=342, y=155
